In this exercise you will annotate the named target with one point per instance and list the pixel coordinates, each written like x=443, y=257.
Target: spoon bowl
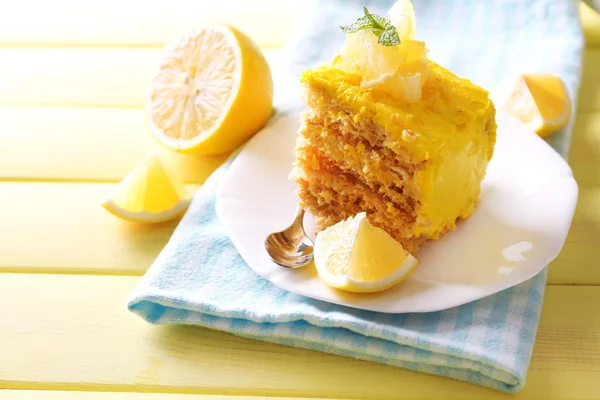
x=291, y=247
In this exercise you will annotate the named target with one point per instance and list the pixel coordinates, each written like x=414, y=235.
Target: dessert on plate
x=392, y=133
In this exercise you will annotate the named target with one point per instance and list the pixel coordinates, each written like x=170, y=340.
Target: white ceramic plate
x=526, y=206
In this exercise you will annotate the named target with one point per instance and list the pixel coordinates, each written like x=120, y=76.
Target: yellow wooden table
x=72, y=82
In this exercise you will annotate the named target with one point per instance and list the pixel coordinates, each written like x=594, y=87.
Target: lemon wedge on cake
x=402, y=15
x=150, y=193
x=212, y=91
x=392, y=61
x=355, y=256
x=540, y=101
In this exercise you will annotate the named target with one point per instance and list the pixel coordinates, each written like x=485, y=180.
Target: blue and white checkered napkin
x=199, y=278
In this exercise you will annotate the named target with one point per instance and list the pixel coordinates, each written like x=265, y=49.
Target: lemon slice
x=402, y=16
x=150, y=193
x=355, y=256
x=399, y=70
x=540, y=101
x=213, y=91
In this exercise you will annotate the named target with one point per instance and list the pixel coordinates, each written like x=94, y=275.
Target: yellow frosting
x=451, y=128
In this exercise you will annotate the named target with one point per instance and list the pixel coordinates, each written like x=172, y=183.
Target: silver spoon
x=290, y=248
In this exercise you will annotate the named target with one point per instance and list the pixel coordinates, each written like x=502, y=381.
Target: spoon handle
x=299, y=219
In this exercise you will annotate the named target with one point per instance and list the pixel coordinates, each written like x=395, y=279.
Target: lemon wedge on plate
x=355, y=256
x=150, y=193
x=212, y=91
x=540, y=101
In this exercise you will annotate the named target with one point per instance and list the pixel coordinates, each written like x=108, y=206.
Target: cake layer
x=332, y=194
x=312, y=163
x=343, y=142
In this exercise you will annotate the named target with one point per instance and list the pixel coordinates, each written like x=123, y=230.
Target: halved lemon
x=212, y=92
x=150, y=193
x=540, y=101
x=355, y=256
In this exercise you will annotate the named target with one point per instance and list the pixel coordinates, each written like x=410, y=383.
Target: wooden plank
x=8, y=394
x=590, y=21
x=579, y=258
x=589, y=93
x=85, y=144
x=60, y=227
x=584, y=155
x=74, y=76
x=97, y=77
x=139, y=22
x=78, y=334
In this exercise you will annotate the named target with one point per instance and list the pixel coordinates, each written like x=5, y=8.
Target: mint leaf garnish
x=359, y=24
x=379, y=22
x=379, y=26
x=389, y=37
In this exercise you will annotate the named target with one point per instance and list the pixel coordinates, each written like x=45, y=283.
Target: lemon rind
x=351, y=285
x=144, y=216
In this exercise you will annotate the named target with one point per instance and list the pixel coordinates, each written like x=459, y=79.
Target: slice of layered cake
x=393, y=134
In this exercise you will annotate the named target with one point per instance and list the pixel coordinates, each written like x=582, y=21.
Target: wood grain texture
x=8, y=394
x=139, y=22
x=60, y=227
x=589, y=92
x=85, y=144
x=590, y=21
x=76, y=331
x=96, y=77
x=579, y=258
x=584, y=155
